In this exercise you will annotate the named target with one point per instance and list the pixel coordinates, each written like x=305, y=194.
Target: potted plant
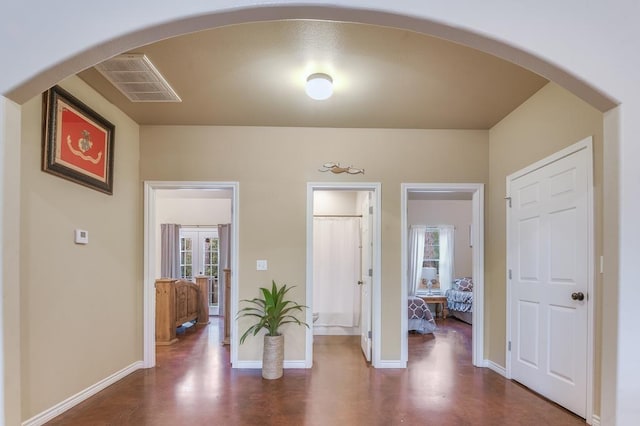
x=271, y=311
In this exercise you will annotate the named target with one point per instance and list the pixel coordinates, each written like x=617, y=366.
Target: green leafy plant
x=271, y=310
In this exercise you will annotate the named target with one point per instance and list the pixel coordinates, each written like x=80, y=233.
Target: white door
x=366, y=253
x=549, y=261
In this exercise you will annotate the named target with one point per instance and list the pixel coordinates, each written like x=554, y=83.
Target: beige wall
x=447, y=212
x=10, y=256
x=81, y=306
x=549, y=121
x=66, y=296
x=336, y=202
x=273, y=166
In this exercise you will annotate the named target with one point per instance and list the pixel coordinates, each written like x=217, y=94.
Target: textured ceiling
x=254, y=74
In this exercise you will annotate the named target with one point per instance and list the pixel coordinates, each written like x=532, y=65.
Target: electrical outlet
x=261, y=265
x=81, y=236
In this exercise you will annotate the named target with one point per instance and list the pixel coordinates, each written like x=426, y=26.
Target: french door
x=199, y=257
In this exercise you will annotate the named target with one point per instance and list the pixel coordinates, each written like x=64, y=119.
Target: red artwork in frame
x=77, y=142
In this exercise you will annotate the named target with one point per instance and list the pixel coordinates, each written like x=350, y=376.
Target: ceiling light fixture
x=319, y=86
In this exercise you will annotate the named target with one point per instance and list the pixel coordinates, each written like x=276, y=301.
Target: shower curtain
x=336, y=271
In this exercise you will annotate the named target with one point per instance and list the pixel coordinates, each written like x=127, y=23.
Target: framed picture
x=77, y=143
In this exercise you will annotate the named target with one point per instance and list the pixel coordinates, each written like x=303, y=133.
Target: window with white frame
x=186, y=257
x=430, y=261
x=437, y=261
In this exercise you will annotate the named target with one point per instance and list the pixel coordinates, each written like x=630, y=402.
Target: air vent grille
x=136, y=77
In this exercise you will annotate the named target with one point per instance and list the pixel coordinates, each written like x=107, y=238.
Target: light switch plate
x=81, y=236
x=261, y=265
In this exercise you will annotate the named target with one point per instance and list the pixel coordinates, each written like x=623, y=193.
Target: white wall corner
x=495, y=367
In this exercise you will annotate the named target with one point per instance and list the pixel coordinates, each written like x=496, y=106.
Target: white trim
x=301, y=363
x=584, y=144
x=257, y=364
x=376, y=292
x=81, y=396
x=477, y=206
x=495, y=367
x=248, y=364
x=595, y=420
x=392, y=364
x=150, y=188
x=5, y=125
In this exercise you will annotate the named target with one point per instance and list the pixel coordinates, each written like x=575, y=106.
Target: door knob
x=577, y=296
x=360, y=282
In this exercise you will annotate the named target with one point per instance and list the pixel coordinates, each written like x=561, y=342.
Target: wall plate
x=81, y=236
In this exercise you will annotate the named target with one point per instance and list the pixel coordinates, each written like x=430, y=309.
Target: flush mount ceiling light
x=319, y=86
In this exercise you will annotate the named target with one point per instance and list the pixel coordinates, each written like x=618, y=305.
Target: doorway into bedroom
x=341, y=267
x=190, y=235
x=442, y=253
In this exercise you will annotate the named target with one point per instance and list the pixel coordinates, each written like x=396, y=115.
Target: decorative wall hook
x=335, y=168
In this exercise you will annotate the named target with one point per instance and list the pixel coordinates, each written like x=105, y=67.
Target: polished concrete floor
x=193, y=384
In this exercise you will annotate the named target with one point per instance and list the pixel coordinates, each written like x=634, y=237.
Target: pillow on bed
x=463, y=284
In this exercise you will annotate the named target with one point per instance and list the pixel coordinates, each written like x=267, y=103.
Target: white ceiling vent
x=136, y=77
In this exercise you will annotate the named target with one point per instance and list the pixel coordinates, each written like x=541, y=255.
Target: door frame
x=584, y=144
x=375, y=187
x=150, y=243
x=477, y=239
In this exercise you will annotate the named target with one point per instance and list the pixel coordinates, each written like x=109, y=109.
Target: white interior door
x=366, y=243
x=549, y=261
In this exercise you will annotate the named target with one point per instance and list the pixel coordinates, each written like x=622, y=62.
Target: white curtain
x=336, y=271
x=170, y=250
x=446, y=256
x=416, y=257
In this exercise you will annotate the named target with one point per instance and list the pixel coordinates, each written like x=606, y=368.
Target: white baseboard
x=247, y=364
x=258, y=364
x=295, y=364
x=495, y=367
x=76, y=399
x=391, y=364
x=595, y=420
x=303, y=364
x=329, y=330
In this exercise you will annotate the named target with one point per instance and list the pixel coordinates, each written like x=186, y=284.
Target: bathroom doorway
x=342, y=264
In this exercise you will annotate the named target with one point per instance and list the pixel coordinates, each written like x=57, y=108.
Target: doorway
x=550, y=285
x=351, y=257
x=153, y=198
x=474, y=193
